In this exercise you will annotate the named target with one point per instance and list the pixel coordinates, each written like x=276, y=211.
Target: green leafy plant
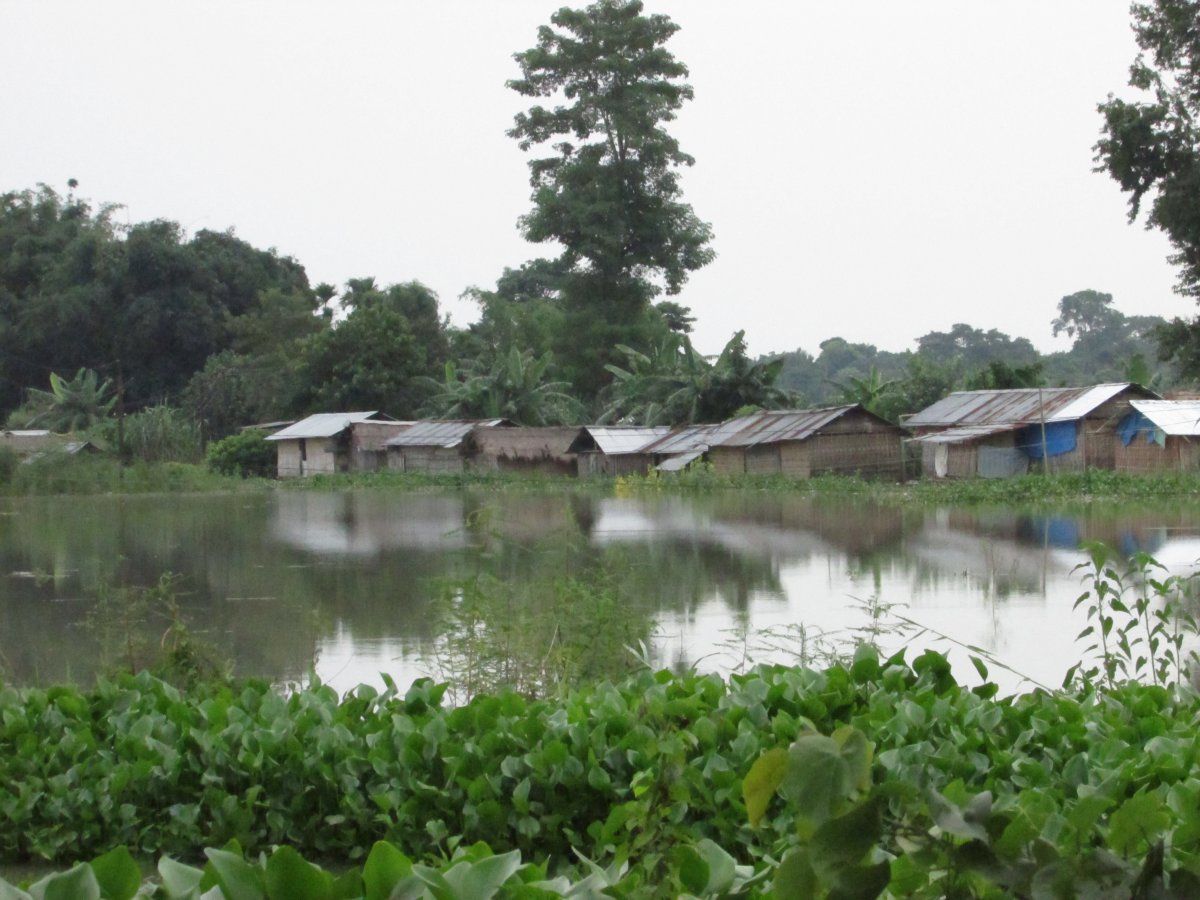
x=245, y=454
x=1137, y=620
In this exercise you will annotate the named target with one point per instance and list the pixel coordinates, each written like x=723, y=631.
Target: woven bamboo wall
x=1178, y=456
x=876, y=454
x=762, y=460
x=795, y=459
x=430, y=460
x=727, y=460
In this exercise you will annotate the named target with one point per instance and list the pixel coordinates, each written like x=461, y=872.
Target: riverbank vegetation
x=890, y=775
x=872, y=776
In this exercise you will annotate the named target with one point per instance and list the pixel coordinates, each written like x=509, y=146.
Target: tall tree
x=1151, y=147
x=609, y=194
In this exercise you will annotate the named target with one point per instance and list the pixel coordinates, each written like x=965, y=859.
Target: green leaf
x=237, y=879
x=384, y=869
x=862, y=882
x=118, y=875
x=951, y=819
x=481, y=880
x=843, y=842
x=705, y=868
x=762, y=781
x=795, y=876
x=1139, y=821
x=178, y=879
x=9, y=892
x=78, y=883
x=290, y=877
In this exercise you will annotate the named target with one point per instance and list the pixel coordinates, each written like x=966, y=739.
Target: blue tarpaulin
x=1059, y=439
x=1133, y=425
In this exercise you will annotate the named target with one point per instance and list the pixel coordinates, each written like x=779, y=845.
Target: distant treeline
x=230, y=334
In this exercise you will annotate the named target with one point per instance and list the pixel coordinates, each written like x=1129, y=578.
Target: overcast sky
x=875, y=170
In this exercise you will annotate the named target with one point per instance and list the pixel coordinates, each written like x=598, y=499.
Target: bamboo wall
x=1181, y=454
x=429, y=460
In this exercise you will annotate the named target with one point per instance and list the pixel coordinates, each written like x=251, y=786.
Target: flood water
x=358, y=583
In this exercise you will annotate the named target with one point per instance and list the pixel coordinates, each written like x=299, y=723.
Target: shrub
x=247, y=454
x=158, y=434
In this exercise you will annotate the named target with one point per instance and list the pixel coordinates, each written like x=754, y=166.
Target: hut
x=436, y=446
x=615, y=449
x=997, y=434
x=679, y=449
x=1159, y=436
x=537, y=450
x=843, y=440
x=28, y=444
x=333, y=442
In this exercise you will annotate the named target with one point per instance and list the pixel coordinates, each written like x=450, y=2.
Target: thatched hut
x=32, y=443
x=542, y=450
x=844, y=440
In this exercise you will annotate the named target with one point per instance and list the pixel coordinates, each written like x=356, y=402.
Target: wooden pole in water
x=1042, y=418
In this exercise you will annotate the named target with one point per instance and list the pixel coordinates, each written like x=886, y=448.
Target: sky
x=873, y=170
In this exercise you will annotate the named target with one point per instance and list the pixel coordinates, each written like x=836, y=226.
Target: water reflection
x=353, y=582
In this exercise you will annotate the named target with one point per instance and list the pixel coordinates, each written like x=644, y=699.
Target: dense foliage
x=1151, y=146
x=962, y=789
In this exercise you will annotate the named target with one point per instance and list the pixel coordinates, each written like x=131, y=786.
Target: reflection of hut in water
x=521, y=449
x=435, y=447
x=845, y=440
x=334, y=442
x=1159, y=436
x=615, y=449
x=998, y=434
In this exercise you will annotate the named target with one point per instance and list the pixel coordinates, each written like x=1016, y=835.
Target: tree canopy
x=609, y=192
x=1151, y=147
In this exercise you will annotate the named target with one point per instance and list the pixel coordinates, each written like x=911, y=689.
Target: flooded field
x=358, y=583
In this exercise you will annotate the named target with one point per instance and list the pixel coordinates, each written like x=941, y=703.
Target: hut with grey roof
x=615, y=449
x=436, y=447
x=801, y=443
x=1159, y=436
x=334, y=442
x=996, y=434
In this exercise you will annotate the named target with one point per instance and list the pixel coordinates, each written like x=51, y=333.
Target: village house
x=1159, y=436
x=844, y=440
x=676, y=451
x=334, y=442
x=1002, y=433
x=615, y=449
x=542, y=450
x=29, y=444
x=437, y=446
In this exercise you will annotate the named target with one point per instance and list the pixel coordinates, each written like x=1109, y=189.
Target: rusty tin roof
x=775, y=426
x=1020, y=406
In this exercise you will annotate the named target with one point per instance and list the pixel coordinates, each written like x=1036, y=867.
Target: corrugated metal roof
x=1020, y=406
x=779, y=425
x=679, y=462
x=325, y=425
x=1174, y=417
x=613, y=440
x=964, y=433
x=683, y=440
x=446, y=433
